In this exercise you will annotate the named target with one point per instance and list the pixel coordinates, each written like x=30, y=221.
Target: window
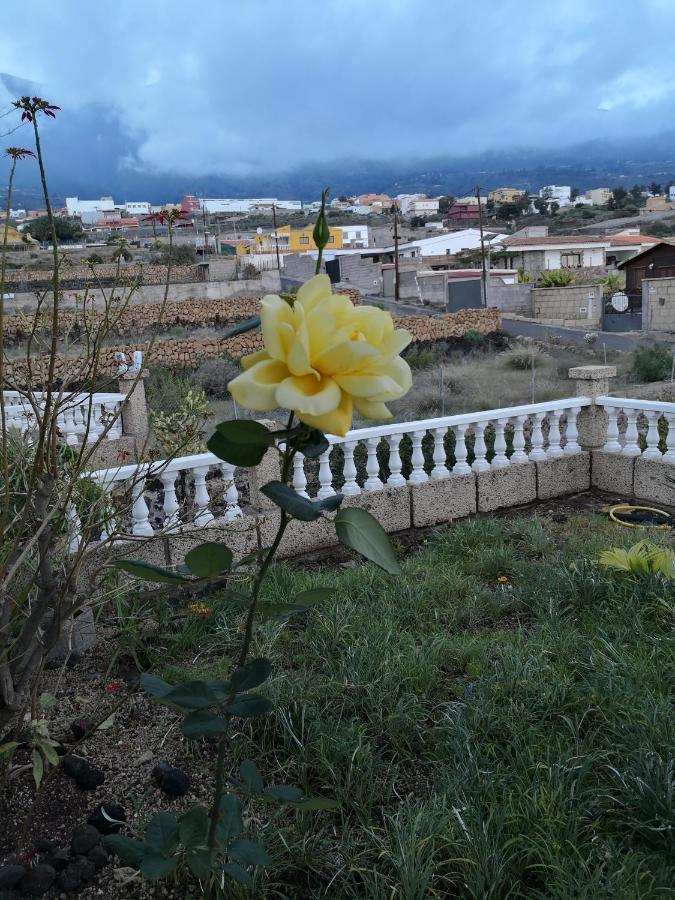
x=304, y=240
x=571, y=260
x=331, y=239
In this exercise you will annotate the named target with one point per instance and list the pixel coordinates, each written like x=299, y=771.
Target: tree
x=619, y=198
x=575, y=193
x=554, y=208
x=636, y=192
x=122, y=251
x=182, y=255
x=508, y=210
x=444, y=203
x=418, y=222
x=654, y=188
x=41, y=229
x=541, y=205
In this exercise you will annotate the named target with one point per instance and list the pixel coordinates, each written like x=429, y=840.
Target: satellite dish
x=259, y=230
x=619, y=301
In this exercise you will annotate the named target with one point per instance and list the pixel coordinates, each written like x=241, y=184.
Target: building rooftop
x=555, y=240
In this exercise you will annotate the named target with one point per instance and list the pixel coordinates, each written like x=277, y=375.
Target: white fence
x=81, y=417
x=632, y=423
x=193, y=490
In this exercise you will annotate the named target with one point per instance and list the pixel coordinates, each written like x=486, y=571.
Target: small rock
x=11, y=875
x=84, y=839
x=124, y=874
x=559, y=518
x=45, y=846
x=172, y=781
x=80, y=727
x=89, y=778
x=144, y=758
x=73, y=765
x=37, y=881
x=70, y=878
x=87, y=868
x=98, y=856
x=58, y=859
x=113, y=811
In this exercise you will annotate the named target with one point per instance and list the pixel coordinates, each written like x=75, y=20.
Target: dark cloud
x=244, y=88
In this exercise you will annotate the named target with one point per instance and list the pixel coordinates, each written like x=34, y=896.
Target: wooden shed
x=655, y=262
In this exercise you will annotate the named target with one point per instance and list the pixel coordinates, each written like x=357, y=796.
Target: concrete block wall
x=576, y=304
x=658, y=305
x=361, y=273
x=510, y=298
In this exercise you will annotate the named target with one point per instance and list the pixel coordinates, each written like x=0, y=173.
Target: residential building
x=561, y=194
x=417, y=205
x=17, y=240
x=17, y=213
x=464, y=209
x=625, y=246
x=137, y=208
x=657, y=204
x=376, y=203
x=190, y=204
x=290, y=240
x=537, y=254
x=113, y=221
x=599, y=196
x=506, y=195
x=75, y=206
x=355, y=236
x=671, y=193
x=657, y=261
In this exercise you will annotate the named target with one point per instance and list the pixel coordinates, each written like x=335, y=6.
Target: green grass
x=484, y=741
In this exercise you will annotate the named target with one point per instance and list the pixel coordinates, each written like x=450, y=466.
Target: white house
x=225, y=205
x=562, y=251
x=557, y=193
x=452, y=242
x=354, y=236
x=417, y=205
x=137, y=208
x=76, y=207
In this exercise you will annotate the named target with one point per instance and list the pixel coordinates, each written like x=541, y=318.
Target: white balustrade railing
x=185, y=497
x=80, y=417
x=368, y=453
x=643, y=428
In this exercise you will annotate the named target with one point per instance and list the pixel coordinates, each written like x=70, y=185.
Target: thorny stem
x=3, y=262
x=287, y=460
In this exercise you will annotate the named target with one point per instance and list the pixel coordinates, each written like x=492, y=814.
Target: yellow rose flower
x=323, y=358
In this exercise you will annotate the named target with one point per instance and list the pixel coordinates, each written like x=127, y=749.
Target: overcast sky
x=244, y=86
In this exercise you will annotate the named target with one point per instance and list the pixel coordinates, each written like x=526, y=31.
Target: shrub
x=556, y=278
x=652, y=363
x=419, y=357
x=215, y=374
x=474, y=340
x=522, y=358
x=166, y=388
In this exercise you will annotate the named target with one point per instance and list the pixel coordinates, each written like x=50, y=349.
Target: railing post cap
x=592, y=373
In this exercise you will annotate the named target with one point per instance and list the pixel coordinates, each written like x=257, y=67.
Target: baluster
x=115, y=412
x=140, y=515
x=480, y=463
x=631, y=447
x=203, y=514
x=68, y=425
x=461, y=466
x=571, y=432
x=652, y=450
x=171, y=505
x=418, y=475
x=669, y=455
x=325, y=476
x=500, y=459
x=350, y=488
x=555, y=450
x=74, y=528
x=440, y=470
x=299, y=480
x=537, y=452
x=373, y=482
x=612, y=444
x=230, y=494
x=519, y=455
x=395, y=465
x=95, y=427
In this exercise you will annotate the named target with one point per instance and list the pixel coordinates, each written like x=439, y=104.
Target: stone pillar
x=267, y=470
x=135, y=408
x=593, y=382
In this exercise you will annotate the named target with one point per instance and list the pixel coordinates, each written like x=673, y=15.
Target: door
x=388, y=281
x=464, y=294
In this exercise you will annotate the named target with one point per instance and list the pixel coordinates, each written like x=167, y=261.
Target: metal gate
x=464, y=293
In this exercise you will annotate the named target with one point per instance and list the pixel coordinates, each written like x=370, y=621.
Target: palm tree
x=122, y=251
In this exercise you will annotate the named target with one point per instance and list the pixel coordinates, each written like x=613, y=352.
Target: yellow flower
x=503, y=579
x=199, y=609
x=323, y=358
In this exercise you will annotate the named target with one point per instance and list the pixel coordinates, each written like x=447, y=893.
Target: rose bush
x=323, y=358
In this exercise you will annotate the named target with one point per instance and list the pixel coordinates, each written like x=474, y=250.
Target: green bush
x=555, y=278
x=652, y=363
x=420, y=357
x=522, y=358
x=215, y=374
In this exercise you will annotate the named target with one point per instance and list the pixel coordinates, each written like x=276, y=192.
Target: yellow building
x=505, y=195
x=17, y=240
x=291, y=240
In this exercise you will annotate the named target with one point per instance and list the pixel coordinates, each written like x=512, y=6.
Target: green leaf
x=285, y=497
x=155, y=686
x=315, y=804
x=8, y=748
x=155, y=866
x=50, y=753
x=140, y=569
x=200, y=864
x=251, y=776
x=312, y=443
x=241, y=442
x=229, y=825
x=285, y=793
x=209, y=559
x=236, y=873
x=203, y=724
x=356, y=528
x=330, y=504
x=161, y=833
x=126, y=848
x=192, y=695
x=248, y=853
x=194, y=827
x=38, y=767
x=249, y=706
x=46, y=700
x=251, y=674
x=314, y=595
x=280, y=610
x=241, y=327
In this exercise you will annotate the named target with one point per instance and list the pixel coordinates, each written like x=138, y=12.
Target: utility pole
x=484, y=277
x=206, y=249
x=396, y=281
x=276, y=238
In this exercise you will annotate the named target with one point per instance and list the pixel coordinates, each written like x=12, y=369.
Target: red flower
x=113, y=686
x=31, y=106
x=19, y=152
x=123, y=454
